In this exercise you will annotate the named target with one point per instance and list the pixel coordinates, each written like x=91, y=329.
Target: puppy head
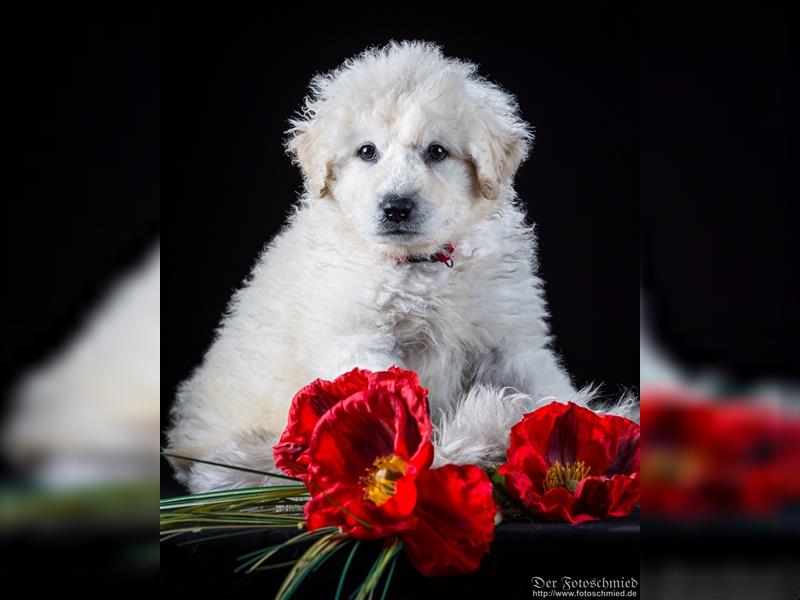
x=412, y=147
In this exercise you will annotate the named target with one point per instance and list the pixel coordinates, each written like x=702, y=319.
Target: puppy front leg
x=369, y=351
x=510, y=382
x=536, y=372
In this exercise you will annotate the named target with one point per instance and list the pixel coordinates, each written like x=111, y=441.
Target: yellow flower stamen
x=380, y=483
x=567, y=476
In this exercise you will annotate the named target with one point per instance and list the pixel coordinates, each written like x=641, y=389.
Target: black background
x=720, y=182
x=667, y=144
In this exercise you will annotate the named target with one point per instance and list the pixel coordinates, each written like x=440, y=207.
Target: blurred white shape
x=658, y=370
x=90, y=414
x=655, y=367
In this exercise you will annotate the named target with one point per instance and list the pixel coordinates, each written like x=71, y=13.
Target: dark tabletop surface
x=520, y=552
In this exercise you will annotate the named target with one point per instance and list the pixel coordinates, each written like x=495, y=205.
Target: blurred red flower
x=362, y=444
x=568, y=463
x=709, y=457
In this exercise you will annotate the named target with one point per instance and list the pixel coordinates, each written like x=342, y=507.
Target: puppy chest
x=423, y=314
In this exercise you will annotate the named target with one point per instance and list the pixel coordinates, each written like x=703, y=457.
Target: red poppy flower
x=315, y=399
x=367, y=466
x=364, y=458
x=568, y=463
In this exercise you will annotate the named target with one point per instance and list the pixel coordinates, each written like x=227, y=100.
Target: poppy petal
x=344, y=506
x=308, y=405
x=352, y=435
x=524, y=472
x=456, y=513
x=580, y=434
x=607, y=497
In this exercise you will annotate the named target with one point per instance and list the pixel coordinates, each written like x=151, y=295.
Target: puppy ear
x=307, y=151
x=500, y=143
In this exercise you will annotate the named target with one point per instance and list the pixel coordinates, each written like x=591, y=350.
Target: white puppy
x=405, y=154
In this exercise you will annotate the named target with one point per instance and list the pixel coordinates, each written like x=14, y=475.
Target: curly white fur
x=331, y=291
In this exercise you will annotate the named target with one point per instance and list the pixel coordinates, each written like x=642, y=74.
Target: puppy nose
x=397, y=208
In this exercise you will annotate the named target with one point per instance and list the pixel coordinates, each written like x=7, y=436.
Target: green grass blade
x=298, y=538
x=256, y=558
x=273, y=566
x=389, y=577
x=233, y=494
x=226, y=466
x=321, y=550
x=344, y=572
x=219, y=536
x=387, y=553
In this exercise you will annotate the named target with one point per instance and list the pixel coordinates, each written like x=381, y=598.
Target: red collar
x=443, y=255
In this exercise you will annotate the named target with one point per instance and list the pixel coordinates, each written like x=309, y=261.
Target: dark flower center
x=567, y=476
x=380, y=483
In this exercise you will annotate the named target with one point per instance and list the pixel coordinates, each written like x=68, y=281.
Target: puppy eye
x=436, y=152
x=368, y=152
